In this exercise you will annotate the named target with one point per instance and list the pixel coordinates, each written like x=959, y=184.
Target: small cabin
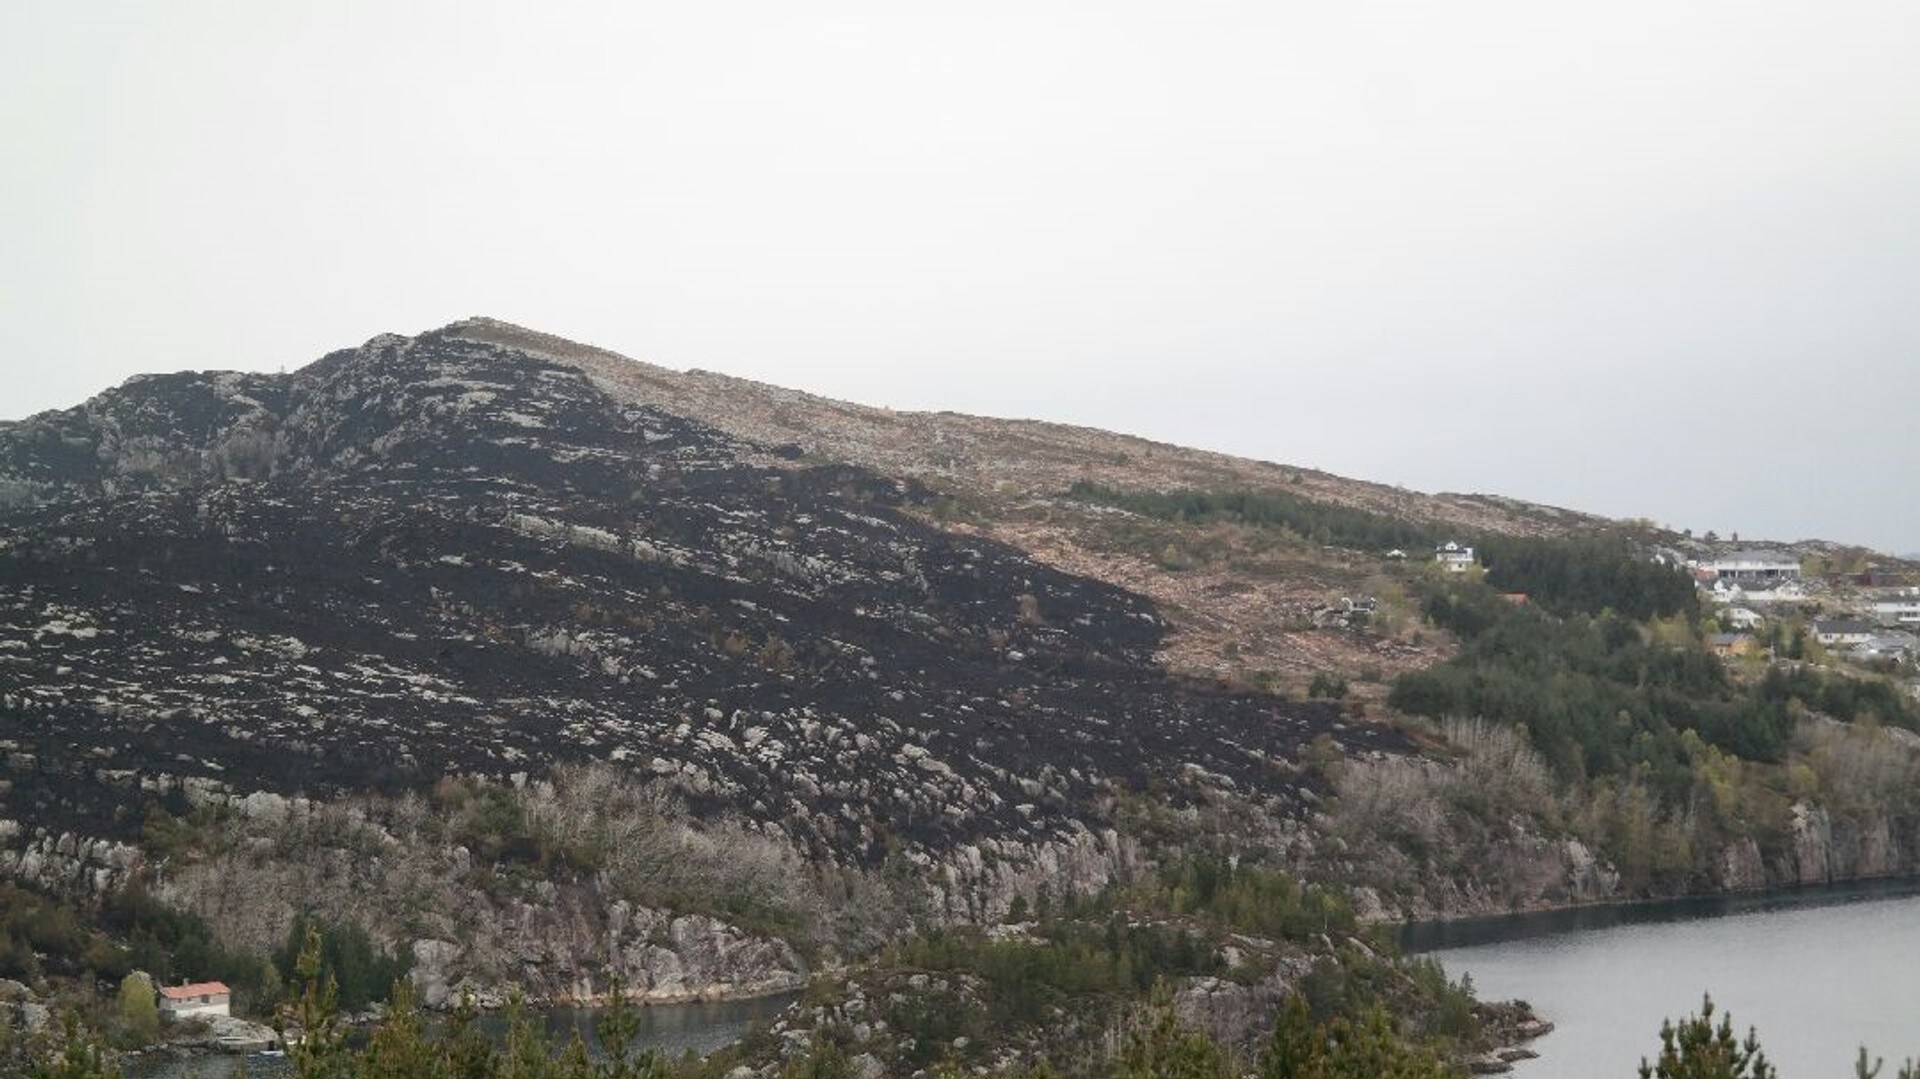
x=195, y=999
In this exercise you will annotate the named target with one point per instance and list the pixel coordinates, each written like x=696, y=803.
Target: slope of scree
x=440, y=554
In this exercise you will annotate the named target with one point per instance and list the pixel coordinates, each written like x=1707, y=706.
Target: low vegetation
x=1586, y=574
x=379, y=872
x=1101, y=985
x=1150, y=1042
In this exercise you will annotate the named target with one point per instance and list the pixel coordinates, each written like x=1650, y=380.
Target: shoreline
x=1422, y=936
x=359, y=1025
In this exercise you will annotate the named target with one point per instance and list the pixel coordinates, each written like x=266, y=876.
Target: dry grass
x=1237, y=618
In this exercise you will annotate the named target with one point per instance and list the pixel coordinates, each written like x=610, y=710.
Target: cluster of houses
x=1752, y=576
x=1752, y=586
x=1870, y=626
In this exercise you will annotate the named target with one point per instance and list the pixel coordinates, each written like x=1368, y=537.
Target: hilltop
x=532, y=663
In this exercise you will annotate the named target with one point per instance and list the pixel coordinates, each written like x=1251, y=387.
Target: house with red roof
x=195, y=999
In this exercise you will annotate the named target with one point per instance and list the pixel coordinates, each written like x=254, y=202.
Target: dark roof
x=1752, y=554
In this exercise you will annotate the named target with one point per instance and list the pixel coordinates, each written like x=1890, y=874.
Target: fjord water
x=1818, y=973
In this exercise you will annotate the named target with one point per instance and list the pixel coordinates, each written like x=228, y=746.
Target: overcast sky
x=1645, y=259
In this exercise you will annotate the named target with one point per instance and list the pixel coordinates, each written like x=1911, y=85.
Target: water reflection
x=1473, y=932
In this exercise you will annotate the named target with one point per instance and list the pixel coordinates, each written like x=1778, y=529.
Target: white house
x=195, y=999
x=1455, y=558
x=1844, y=632
x=1898, y=608
x=1752, y=567
x=1743, y=618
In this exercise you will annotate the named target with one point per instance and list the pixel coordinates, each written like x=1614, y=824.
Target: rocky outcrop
x=657, y=957
x=25, y=1021
x=64, y=863
x=1485, y=834
x=1236, y=1013
x=1741, y=867
x=1523, y=871
x=977, y=883
x=1824, y=846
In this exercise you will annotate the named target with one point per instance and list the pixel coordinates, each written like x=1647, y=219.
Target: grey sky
x=1647, y=259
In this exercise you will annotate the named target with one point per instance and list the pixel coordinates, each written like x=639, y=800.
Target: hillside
x=535, y=665
x=438, y=554
x=1004, y=478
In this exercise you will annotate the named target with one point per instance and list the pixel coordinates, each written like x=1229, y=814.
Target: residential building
x=1898, y=608
x=195, y=999
x=1455, y=558
x=1752, y=567
x=1730, y=645
x=1844, y=632
x=1743, y=618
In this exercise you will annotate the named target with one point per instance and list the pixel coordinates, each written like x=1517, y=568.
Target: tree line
x=1573, y=574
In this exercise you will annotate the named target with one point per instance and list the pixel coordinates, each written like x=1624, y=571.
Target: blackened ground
x=433, y=555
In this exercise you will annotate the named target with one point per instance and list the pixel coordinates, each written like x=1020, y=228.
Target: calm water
x=1820, y=973
x=671, y=1028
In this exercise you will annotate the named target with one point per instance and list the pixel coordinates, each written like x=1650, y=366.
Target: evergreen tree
x=1696, y=1049
x=319, y=1052
x=1862, y=1070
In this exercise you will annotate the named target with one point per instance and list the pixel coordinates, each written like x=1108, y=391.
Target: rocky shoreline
x=1414, y=932
x=1507, y=1027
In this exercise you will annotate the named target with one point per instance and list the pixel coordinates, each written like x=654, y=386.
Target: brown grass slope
x=1242, y=602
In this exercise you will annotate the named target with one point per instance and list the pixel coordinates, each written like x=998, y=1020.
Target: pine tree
x=1696, y=1049
x=320, y=1052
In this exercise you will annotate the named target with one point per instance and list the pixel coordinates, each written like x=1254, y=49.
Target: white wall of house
x=1455, y=558
x=213, y=1004
x=1750, y=566
x=1895, y=612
